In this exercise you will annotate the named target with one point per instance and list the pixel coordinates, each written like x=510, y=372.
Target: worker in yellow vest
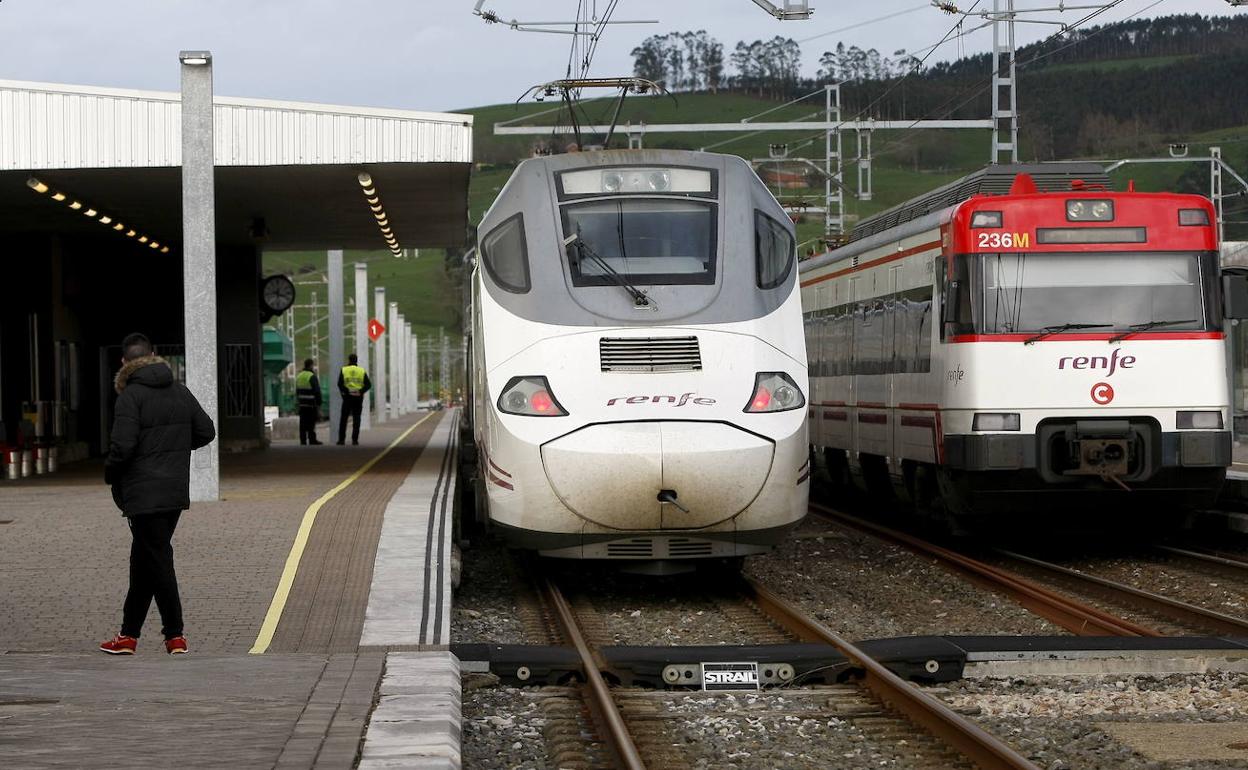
x=308, y=392
x=353, y=383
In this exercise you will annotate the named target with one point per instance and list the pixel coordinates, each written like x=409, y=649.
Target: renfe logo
x=684, y=398
x=1112, y=362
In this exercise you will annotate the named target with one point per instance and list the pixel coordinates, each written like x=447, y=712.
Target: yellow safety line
x=278, y=605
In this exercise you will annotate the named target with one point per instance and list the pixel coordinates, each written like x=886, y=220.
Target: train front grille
x=649, y=354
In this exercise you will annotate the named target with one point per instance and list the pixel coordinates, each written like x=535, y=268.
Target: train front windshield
x=1120, y=291
x=645, y=241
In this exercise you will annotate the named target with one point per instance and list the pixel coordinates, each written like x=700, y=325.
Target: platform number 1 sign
x=375, y=329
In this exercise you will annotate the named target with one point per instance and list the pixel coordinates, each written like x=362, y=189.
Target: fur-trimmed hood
x=152, y=371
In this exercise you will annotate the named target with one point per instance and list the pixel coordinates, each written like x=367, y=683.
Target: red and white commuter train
x=1024, y=338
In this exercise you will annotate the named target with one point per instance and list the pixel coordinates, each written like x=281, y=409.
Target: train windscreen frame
x=647, y=241
x=1026, y=292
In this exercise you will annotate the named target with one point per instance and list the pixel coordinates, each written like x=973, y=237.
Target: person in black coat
x=157, y=423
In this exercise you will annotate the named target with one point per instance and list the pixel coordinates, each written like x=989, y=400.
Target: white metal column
x=400, y=368
x=410, y=357
x=395, y=371
x=864, y=164
x=361, y=336
x=1007, y=115
x=199, y=261
x=379, y=354
x=1215, y=187
x=834, y=178
x=337, y=338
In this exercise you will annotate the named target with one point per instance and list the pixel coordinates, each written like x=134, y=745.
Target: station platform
x=317, y=603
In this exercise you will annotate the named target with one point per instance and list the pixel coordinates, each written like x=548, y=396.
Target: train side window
x=506, y=256
x=774, y=249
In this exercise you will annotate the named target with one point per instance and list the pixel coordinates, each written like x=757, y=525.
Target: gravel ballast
x=1158, y=723
x=864, y=588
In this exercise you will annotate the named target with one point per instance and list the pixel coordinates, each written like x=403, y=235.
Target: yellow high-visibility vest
x=353, y=378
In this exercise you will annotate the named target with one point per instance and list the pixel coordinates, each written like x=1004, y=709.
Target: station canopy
x=287, y=172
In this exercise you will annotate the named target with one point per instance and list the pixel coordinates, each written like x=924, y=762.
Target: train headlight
x=530, y=396
x=612, y=182
x=1189, y=217
x=1090, y=210
x=996, y=421
x=774, y=392
x=1206, y=420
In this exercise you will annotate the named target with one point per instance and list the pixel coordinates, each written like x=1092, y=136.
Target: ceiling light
x=119, y=227
x=105, y=219
x=130, y=233
x=142, y=239
x=75, y=205
x=36, y=185
x=153, y=245
x=164, y=249
x=90, y=212
x=365, y=180
x=58, y=196
x=194, y=58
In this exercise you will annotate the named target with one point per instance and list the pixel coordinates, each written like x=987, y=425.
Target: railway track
x=1067, y=604
x=630, y=721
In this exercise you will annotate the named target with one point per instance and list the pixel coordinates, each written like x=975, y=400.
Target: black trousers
x=353, y=407
x=307, y=423
x=152, y=575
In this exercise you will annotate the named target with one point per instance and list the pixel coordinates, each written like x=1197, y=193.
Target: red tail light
x=774, y=392
x=762, y=398
x=541, y=402
x=530, y=396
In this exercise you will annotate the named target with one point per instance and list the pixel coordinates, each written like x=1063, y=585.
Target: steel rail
x=1145, y=600
x=602, y=706
x=1072, y=615
x=963, y=735
x=1210, y=557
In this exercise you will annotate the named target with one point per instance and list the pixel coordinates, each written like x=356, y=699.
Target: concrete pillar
x=413, y=385
x=401, y=367
x=337, y=356
x=199, y=260
x=379, y=354
x=416, y=365
x=395, y=372
x=361, y=336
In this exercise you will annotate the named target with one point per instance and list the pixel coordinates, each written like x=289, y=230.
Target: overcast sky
x=433, y=54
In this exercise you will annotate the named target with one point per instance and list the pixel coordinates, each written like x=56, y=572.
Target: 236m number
x=1004, y=240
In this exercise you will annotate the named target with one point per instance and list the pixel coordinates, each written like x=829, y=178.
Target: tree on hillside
x=681, y=61
x=769, y=68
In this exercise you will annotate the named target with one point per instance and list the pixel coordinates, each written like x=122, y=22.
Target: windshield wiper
x=1133, y=328
x=1049, y=331
x=640, y=298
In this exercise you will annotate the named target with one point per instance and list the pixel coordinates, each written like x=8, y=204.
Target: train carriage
x=638, y=367
x=1024, y=338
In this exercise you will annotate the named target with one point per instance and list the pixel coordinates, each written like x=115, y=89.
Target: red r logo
x=1102, y=393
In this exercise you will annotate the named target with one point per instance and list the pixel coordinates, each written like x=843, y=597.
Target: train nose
x=616, y=474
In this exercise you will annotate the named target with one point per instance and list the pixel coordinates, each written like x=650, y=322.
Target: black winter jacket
x=157, y=422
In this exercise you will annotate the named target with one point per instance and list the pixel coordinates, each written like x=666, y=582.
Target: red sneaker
x=120, y=645
x=176, y=645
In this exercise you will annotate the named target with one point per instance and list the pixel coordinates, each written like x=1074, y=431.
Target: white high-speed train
x=638, y=367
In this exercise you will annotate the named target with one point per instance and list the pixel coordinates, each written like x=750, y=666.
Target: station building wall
x=66, y=302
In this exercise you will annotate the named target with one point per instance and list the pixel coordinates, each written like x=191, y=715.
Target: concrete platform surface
x=307, y=701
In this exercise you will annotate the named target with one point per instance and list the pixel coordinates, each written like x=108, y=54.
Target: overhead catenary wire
x=983, y=86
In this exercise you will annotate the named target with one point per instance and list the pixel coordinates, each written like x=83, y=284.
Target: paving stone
x=63, y=565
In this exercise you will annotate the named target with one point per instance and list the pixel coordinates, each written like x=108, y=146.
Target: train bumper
x=1125, y=449
x=616, y=474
